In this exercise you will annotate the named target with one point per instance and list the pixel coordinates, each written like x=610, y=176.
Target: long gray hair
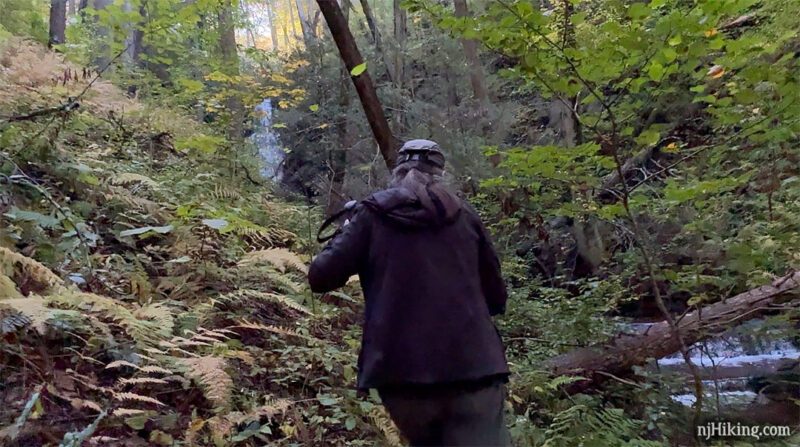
x=426, y=181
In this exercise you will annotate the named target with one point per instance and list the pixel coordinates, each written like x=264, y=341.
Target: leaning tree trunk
x=617, y=357
x=58, y=22
x=362, y=82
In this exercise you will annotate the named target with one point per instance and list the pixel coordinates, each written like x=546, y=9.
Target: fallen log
x=618, y=356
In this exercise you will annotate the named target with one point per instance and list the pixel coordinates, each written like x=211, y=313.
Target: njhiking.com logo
x=724, y=429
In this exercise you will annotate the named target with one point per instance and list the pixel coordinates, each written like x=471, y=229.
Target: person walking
x=431, y=280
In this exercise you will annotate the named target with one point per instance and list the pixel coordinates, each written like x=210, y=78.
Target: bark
x=338, y=156
x=363, y=83
x=230, y=60
x=624, y=352
x=292, y=21
x=273, y=27
x=58, y=22
x=375, y=33
x=476, y=76
x=400, y=34
x=103, y=56
x=72, y=7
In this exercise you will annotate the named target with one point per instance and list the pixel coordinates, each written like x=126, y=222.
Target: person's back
x=431, y=282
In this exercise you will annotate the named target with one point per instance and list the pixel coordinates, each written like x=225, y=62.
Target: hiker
x=431, y=282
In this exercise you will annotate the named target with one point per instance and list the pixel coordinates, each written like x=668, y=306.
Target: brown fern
x=209, y=372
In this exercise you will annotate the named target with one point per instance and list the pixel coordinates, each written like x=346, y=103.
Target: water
x=266, y=140
x=728, y=361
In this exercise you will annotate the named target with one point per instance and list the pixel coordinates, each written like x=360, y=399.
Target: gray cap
x=422, y=150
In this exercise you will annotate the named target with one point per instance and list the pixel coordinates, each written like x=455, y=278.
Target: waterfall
x=266, y=141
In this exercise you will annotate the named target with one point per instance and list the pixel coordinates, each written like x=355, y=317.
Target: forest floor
x=151, y=294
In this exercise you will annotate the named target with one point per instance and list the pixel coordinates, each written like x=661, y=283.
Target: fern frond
x=209, y=372
x=381, y=420
x=139, y=323
x=137, y=398
x=272, y=408
x=141, y=381
x=7, y=288
x=13, y=265
x=121, y=363
x=126, y=178
x=249, y=294
x=261, y=327
x=279, y=257
x=30, y=311
x=152, y=369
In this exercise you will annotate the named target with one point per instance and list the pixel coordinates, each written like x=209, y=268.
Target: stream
x=730, y=363
x=265, y=139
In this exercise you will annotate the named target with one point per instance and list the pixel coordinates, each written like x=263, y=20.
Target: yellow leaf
x=672, y=147
x=711, y=33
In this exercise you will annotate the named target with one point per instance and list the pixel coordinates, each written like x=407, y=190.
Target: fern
x=127, y=178
x=137, y=398
x=145, y=325
x=209, y=372
x=13, y=265
x=381, y=420
x=7, y=288
x=243, y=295
x=279, y=257
x=29, y=311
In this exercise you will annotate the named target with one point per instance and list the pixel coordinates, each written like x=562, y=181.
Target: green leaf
x=132, y=232
x=358, y=69
x=32, y=216
x=350, y=423
x=656, y=71
x=638, y=11
x=313, y=107
x=327, y=401
x=216, y=224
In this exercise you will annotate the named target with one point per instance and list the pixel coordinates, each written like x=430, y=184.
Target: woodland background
x=164, y=165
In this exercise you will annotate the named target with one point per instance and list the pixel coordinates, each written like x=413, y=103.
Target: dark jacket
x=431, y=284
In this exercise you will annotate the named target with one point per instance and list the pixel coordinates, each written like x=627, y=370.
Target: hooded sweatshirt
x=431, y=281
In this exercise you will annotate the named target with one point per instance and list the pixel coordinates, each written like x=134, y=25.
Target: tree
x=617, y=357
x=230, y=66
x=400, y=34
x=58, y=22
x=375, y=33
x=356, y=66
x=476, y=75
x=273, y=26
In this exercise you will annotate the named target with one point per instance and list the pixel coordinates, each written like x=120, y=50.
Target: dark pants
x=468, y=414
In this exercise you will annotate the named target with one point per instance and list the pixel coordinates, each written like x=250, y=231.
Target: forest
x=165, y=166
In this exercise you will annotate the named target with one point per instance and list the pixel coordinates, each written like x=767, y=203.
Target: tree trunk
x=338, y=156
x=376, y=38
x=273, y=27
x=363, y=82
x=476, y=76
x=626, y=351
x=102, y=54
x=230, y=60
x=400, y=32
x=58, y=22
x=72, y=7
x=292, y=20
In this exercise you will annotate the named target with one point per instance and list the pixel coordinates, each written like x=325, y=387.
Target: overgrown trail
x=183, y=312
x=164, y=166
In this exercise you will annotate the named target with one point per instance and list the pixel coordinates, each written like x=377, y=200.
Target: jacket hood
x=403, y=207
